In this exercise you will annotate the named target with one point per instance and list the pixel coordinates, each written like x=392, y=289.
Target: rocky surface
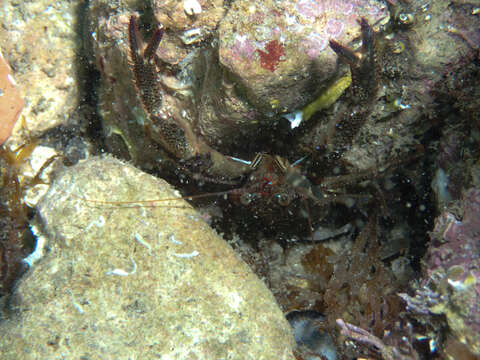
x=451, y=282
x=127, y=281
x=279, y=51
x=11, y=103
x=269, y=59
x=265, y=59
x=231, y=69
x=40, y=42
x=117, y=101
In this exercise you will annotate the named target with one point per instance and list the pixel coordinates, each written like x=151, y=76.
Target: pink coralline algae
x=460, y=239
x=289, y=28
x=334, y=28
x=269, y=46
x=451, y=281
x=309, y=9
x=243, y=48
x=269, y=60
x=314, y=44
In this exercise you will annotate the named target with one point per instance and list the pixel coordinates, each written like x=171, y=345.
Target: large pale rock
x=143, y=282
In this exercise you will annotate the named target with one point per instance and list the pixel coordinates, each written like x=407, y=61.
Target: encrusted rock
x=136, y=281
x=270, y=58
x=248, y=74
x=451, y=282
x=279, y=50
x=11, y=103
x=40, y=43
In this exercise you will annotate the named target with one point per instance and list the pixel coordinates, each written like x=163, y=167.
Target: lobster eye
x=283, y=199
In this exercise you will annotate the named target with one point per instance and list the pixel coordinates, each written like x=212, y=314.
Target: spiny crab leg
x=365, y=74
x=363, y=64
x=142, y=63
x=177, y=137
x=172, y=130
x=144, y=67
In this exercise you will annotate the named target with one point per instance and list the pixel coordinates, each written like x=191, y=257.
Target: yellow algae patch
x=327, y=98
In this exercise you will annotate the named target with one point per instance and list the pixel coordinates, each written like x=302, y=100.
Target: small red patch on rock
x=270, y=59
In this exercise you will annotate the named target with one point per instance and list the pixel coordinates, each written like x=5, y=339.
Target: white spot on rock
x=295, y=118
x=187, y=256
x=192, y=7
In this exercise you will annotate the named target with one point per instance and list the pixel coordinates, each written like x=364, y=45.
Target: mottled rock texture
x=121, y=281
x=40, y=42
x=279, y=50
x=11, y=103
x=450, y=285
x=452, y=264
x=229, y=71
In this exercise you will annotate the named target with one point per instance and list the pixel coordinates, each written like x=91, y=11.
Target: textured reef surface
x=333, y=144
x=450, y=285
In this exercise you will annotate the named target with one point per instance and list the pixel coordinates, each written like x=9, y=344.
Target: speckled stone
x=40, y=42
x=271, y=42
x=143, y=282
x=450, y=284
x=452, y=263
